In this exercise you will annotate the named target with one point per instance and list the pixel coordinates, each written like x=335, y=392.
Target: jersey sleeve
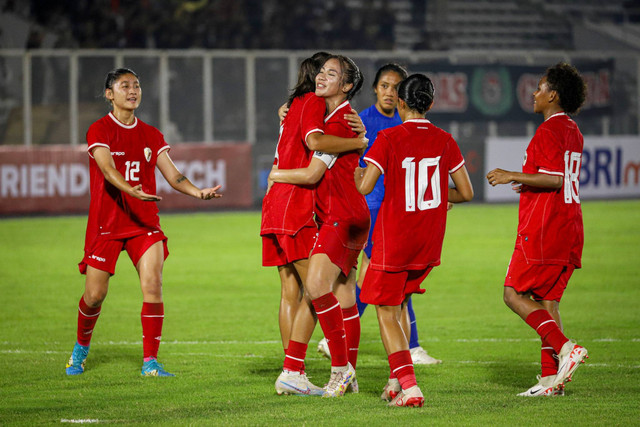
x=549, y=157
x=378, y=154
x=312, y=118
x=160, y=141
x=97, y=137
x=456, y=161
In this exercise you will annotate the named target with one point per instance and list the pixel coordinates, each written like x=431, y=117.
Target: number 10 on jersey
x=426, y=167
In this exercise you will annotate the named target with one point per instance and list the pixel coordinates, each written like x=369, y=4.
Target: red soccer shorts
x=104, y=253
x=544, y=281
x=330, y=243
x=391, y=288
x=283, y=249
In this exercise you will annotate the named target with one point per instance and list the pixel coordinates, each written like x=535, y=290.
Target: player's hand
x=210, y=193
x=499, y=176
x=364, y=143
x=516, y=186
x=282, y=112
x=139, y=194
x=355, y=122
x=449, y=206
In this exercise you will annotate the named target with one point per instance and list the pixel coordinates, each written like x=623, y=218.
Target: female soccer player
x=344, y=222
x=123, y=154
x=382, y=115
x=416, y=159
x=550, y=232
x=288, y=227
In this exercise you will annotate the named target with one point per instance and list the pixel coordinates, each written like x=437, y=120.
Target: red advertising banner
x=55, y=179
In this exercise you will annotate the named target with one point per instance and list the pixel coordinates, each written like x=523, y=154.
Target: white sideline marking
x=87, y=421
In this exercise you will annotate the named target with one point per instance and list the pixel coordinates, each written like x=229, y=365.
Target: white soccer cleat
x=296, y=383
x=411, y=397
x=341, y=378
x=569, y=359
x=391, y=390
x=545, y=387
x=323, y=348
x=420, y=357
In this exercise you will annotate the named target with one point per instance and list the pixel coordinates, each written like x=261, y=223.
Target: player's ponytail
x=417, y=92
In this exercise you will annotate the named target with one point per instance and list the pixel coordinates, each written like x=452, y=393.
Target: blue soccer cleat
x=154, y=369
x=75, y=365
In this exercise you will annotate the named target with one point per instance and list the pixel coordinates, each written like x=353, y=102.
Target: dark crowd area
x=209, y=24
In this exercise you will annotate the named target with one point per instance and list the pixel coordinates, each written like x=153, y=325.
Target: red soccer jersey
x=416, y=159
x=287, y=207
x=550, y=227
x=135, y=149
x=337, y=198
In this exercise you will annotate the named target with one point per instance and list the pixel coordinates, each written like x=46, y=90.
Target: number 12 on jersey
x=426, y=167
x=131, y=173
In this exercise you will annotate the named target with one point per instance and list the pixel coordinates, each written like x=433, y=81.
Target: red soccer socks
x=330, y=318
x=542, y=322
x=351, y=319
x=87, y=318
x=152, y=316
x=294, y=357
x=402, y=366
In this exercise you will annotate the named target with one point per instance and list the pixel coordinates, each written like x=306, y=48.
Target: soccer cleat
x=154, y=369
x=353, y=387
x=296, y=383
x=569, y=359
x=545, y=387
x=75, y=365
x=323, y=348
x=419, y=356
x=391, y=389
x=341, y=378
x=411, y=397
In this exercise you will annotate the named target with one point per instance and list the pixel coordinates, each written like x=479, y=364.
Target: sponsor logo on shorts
x=97, y=258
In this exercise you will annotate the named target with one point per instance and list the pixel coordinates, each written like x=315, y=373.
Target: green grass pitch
x=221, y=335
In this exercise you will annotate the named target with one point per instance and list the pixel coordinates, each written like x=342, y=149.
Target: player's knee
x=94, y=298
x=509, y=296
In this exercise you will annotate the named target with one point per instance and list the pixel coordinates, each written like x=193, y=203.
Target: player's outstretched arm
x=181, y=183
x=105, y=162
x=366, y=178
x=541, y=180
x=301, y=176
x=334, y=144
x=463, y=190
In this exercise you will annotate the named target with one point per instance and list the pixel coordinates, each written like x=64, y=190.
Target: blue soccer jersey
x=375, y=121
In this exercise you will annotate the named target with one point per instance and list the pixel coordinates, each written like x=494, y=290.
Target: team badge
x=147, y=153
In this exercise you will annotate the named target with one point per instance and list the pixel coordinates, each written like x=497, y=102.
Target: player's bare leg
x=96, y=286
x=391, y=330
x=290, y=299
x=149, y=269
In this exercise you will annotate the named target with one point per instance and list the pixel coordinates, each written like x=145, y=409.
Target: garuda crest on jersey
x=147, y=153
